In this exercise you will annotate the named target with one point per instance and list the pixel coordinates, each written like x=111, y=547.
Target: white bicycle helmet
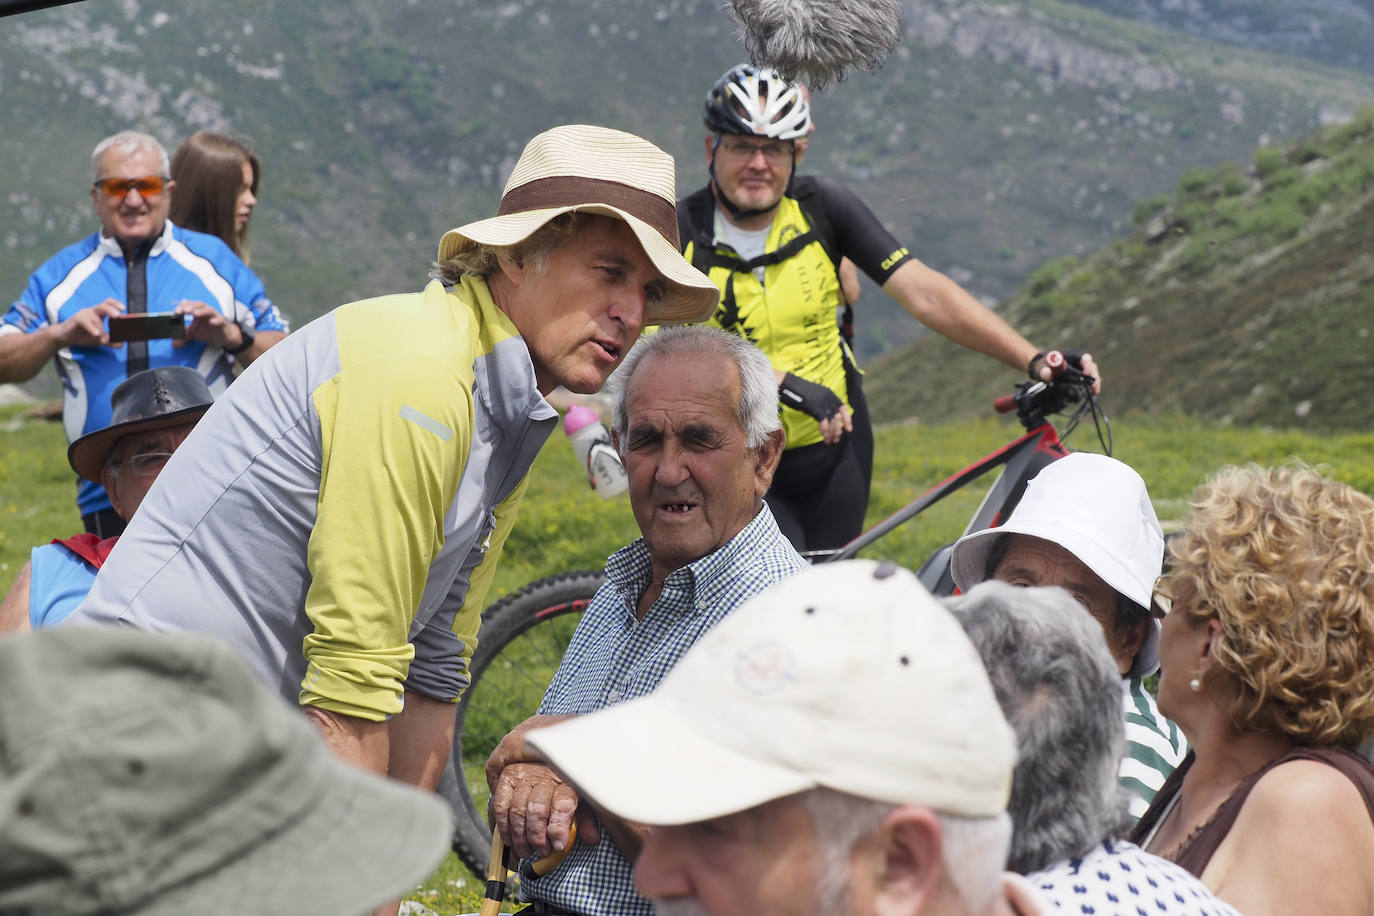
x=758, y=101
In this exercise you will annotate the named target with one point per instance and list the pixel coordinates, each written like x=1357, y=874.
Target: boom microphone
x=818, y=41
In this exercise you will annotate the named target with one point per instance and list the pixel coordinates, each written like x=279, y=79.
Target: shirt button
x=614, y=696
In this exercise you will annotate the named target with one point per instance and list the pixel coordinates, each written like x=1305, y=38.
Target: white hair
x=129, y=142
x=974, y=849
x=757, y=409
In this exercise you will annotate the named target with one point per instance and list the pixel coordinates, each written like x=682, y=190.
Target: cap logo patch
x=765, y=668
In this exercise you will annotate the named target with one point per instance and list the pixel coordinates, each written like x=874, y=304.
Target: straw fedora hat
x=598, y=170
x=148, y=400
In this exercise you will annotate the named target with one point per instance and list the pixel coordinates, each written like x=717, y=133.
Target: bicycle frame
x=1021, y=460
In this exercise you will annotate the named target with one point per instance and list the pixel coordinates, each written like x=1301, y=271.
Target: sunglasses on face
x=146, y=186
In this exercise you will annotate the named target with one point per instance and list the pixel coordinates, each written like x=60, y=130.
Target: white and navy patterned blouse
x=1120, y=879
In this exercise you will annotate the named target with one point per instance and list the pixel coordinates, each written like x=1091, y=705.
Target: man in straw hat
x=834, y=746
x=1087, y=525
x=339, y=516
x=151, y=774
x=152, y=412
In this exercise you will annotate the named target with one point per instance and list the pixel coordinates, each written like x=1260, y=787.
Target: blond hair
x=480, y=260
x=1283, y=558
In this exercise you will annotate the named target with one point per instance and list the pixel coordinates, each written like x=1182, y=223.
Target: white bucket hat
x=847, y=675
x=1098, y=509
x=598, y=170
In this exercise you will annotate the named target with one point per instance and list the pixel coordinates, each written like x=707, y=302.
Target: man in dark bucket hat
x=339, y=516
x=151, y=413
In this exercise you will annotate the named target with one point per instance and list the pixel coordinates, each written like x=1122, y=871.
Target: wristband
x=244, y=344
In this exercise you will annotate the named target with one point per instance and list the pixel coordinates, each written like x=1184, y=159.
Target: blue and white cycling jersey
x=181, y=265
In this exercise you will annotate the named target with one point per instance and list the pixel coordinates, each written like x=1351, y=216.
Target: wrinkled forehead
x=1054, y=563
x=672, y=387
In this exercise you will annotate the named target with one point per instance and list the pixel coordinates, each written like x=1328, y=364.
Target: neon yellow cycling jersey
x=790, y=313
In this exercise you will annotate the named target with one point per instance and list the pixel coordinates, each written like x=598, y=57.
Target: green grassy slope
x=1247, y=296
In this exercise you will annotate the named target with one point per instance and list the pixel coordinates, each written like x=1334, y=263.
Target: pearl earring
x=1195, y=684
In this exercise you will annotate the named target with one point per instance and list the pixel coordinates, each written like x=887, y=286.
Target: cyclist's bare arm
x=948, y=309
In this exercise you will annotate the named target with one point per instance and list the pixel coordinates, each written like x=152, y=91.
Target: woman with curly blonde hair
x=1268, y=668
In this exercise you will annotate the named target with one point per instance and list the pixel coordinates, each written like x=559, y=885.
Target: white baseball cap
x=1096, y=508
x=848, y=675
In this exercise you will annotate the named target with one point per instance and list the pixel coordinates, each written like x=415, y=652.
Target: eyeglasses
x=775, y=153
x=142, y=464
x=146, y=186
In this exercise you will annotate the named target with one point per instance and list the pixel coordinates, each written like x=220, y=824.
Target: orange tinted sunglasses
x=147, y=186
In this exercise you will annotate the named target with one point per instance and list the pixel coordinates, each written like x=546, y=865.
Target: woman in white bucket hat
x=1086, y=524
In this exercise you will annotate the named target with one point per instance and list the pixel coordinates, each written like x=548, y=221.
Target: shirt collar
x=630, y=570
x=110, y=245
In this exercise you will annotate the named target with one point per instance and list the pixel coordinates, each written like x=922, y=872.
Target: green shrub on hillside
x=1148, y=208
x=1194, y=181
x=1268, y=160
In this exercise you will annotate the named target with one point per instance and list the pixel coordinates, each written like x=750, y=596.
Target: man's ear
x=911, y=876
x=710, y=148
x=512, y=268
x=766, y=460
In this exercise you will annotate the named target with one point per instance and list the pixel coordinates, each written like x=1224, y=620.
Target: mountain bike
x=524, y=635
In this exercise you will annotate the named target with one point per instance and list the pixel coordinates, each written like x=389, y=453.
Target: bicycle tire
x=521, y=641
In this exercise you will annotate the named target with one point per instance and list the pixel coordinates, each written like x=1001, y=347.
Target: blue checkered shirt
x=613, y=657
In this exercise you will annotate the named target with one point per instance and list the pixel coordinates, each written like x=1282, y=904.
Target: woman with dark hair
x=1266, y=667
x=216, y=187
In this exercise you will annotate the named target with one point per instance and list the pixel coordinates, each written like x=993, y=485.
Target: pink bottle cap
x=578, y=417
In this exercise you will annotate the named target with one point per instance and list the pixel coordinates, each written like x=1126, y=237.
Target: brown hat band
x=571, y=191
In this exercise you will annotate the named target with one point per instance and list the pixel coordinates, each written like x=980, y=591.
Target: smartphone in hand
x=147, y=326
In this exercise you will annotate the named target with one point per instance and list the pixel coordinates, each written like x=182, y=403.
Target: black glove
x=1073, y=359
x=815, y=400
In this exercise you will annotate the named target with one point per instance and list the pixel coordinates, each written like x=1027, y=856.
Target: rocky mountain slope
x=996, y=137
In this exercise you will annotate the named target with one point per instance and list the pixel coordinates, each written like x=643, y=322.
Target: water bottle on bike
x=592, y=443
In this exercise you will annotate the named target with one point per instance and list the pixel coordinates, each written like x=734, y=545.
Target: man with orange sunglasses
x=214, y=310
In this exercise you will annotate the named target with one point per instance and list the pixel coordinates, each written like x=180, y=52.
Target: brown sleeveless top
x=1197, y=850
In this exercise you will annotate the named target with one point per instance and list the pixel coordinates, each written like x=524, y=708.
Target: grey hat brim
x=324, y=863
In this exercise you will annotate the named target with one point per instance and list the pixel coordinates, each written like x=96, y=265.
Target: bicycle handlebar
x=1034, y=400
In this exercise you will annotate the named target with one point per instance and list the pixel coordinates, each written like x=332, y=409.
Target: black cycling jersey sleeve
x=859, y=235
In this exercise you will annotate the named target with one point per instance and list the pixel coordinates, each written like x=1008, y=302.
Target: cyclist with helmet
x=771, y=240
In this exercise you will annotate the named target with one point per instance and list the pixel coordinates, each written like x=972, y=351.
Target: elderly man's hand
x=534, y=811
x=512, y=748
x=208, y=325
x=87, y=327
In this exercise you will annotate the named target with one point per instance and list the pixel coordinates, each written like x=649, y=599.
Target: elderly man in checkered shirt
x=697, y=426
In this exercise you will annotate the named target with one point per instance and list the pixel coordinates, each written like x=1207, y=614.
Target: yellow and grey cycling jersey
x=338, y=513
